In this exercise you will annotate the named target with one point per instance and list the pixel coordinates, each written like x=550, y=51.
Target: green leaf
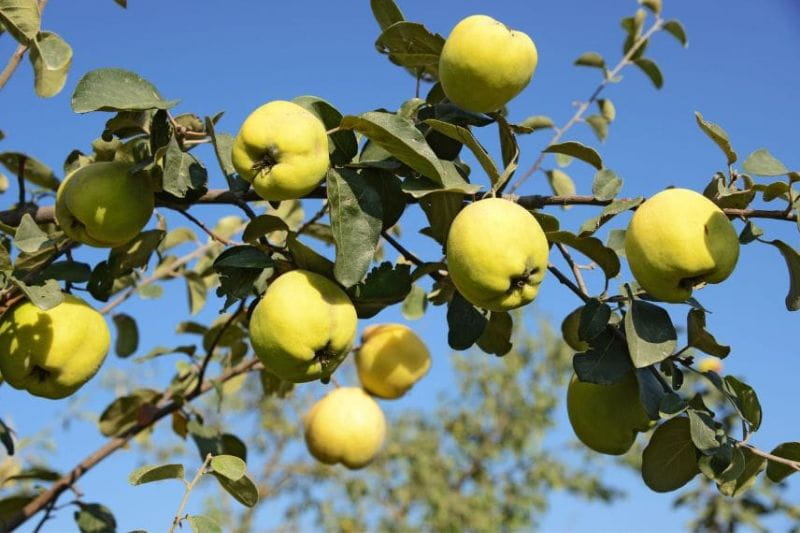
x=386, y=12
x=415, y=303
x=670, y=459
x=385, y=285
x=537, y=122
x=356, y=213
x=94, y=518
x=51, y=58
x=675, y=28
x=203, y=524
x=12, y=505
x=496, y=337
x=465, y=323
x=745, y=399
x=400, y=137
x=652, y=5
x=561, y=183
x=763, y=163
x=243, y=490
x=6, y=438
x=44, y=296
x=36, y=172
x=239, y=267
x=411, y=45
x=223, y=144
x=135, y=253
x=591, y=59
x=649, y=332
x=21, y=19
x=307, y=259
x=599, y=125
x=465, y=136
x=577, y=150
x=606, y=362
x=753, y=465
x=127, y=335
x=115, y=89
x=750, y=232
x=718, y=135
x=610, y=211
x=71, y=271
x=150, y=473
x=123, y=413
x=606, y=184
x=592, y=248
x=703, y=431
x=34, y=473
x=793, y=264
x=230, y=466
x=776, y=471
x=343, y=146
x=651, y=393
x=700, y=338
x=29, y=237
x=593, y=320
x=182, y=172
x=649, y=67
x=607, y=109
x=263, y=225
x=672, y=405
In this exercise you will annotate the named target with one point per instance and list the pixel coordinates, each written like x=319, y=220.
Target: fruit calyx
x=40, y=373
x=694, y=282
x=522, y=280
x=267, y=161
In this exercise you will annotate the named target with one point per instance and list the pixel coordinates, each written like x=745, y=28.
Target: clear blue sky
x=739, y=71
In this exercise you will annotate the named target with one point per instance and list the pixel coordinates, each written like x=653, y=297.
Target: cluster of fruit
x=305, y=324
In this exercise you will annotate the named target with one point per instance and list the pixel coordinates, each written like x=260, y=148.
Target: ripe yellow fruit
x=52, y=353
x=484, y=64
x=391, y=359
x=569, y=331
x=102, y=205
x=303, y=327
x=677, y=240
x=710, y=364
x=282, y=149
x=496, y=254
x=606, y=418
x=346, y=426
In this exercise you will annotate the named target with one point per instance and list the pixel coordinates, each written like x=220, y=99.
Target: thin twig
x=21, y=179
x=408, y=255
x=217, y=338
x=575, y=270
x=199, y=223
x=585, y=105
x=568, y=282
x=318, y=215
x=775, y=458
x=112, y=445
x=189, y=486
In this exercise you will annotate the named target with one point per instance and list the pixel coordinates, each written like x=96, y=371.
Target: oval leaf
x=229, y=466
x=116, y=89
x=577, y=150
x=670, y=459
x=150, y=473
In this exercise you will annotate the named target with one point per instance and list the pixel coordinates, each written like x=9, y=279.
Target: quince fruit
x=391, y=359
x=303, y=327
x=484, y=64
x=496, y=254
x=52, y=353
x=282, y=149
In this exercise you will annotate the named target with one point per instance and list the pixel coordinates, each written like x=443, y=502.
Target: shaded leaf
x=606, y=362
x=793, y=264
x=127, y=335
x=464, y=136
x=591, y=59
x=776, y=471
x=386, y=12
x=649, y=67
x=670, y=459
x=124, y=412
x=385, y=285
x=577, y=150
x=649, y=332
x=243, y=490
x=592, y=248
x=182, y=172
x=496, y=337
x=343, y=146
x=95, y=518
x=6, y=438
x=411, y=45
x=745, y=399
x=700, y=338
x=465, y=323
x=675, y=28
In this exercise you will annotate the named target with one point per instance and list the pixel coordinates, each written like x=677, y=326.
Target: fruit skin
x=52, y=353
x=606, y=418
x=496, y=254
x=346, y=426
x=484, y=64
x=303, y=327
x=678, y=239
x=391, y=359
x=282, y=149
x=569, y=331
x=102, y=205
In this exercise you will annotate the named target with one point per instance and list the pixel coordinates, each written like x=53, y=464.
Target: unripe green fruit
x=102, y=205
x=52, y=353
x=303, y=327
x=569, y=331
x=484, y=64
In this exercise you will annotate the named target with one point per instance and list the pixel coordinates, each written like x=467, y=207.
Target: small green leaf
x=606, y=362
x=150, y=473
x=243, y=490
x=746, y=400
x=776, y=471
x=29, y=237
x=606, y=184
x=649, y=332
x=718, y=135
x=183, y=172
x=6, y=438
x=34, y=473
x=753, y=465
x=592, y=248
x=263, y=225
x=229, y=466
x=415, y=303
x=465, y=323
x=71, y=271
x=607, y=109
x=652, y=5
x=750, y=232
x=496, y=337
x=793, y=264
x=21, y=19
x=36, y=172
x=610, y=211
x=649, y=67
x=44, y=296
x=411, y=45
x=223, y=144
x=577, y=150
x=672, y=405
x=465, y=136
x=599, y=125
x=94, y=518
x=670, y=459
x=385, y=285
x=537, y=122
x=127, y=335
x=703, y=430
x=591, y=59
x=675, y=28
x=386, y=12
x=203, y=524
x=763, y=163
x=356, y=213
x=700, y=338
x=561, y=183
x=135, y=253
x=115, y=89
x=123, y=413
